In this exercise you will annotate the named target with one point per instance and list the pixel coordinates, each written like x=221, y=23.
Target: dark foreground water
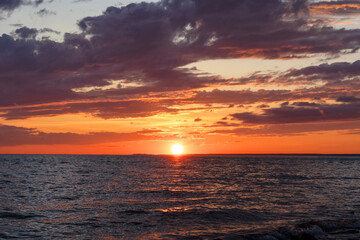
x=193, y=197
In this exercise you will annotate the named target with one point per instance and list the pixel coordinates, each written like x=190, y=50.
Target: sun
x=177, y=149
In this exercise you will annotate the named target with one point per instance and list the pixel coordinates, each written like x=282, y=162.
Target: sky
x=217, y=76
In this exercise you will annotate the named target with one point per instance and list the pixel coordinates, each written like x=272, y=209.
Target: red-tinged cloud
x=291, y=129
x=228, y=99
x=14, y=136
x=10, y=5
x=342, y=7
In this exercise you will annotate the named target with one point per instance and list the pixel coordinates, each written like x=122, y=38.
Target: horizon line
x=192, y=154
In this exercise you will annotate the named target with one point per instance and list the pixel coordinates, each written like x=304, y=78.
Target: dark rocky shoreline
x=312, y=230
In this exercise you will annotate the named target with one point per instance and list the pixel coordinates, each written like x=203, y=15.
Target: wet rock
x=268, y=237
x=345, y=231
x=307, y=236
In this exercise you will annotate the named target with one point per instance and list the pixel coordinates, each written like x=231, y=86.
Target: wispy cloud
x=342, y=7
x=43, y=12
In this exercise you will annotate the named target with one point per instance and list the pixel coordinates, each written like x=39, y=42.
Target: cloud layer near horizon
x=13, y=136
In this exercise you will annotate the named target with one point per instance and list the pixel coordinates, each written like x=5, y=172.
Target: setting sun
x=177, y=149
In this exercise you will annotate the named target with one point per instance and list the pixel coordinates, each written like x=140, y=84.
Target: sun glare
x=177, y=149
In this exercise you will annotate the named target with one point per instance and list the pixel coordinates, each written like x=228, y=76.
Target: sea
x=246, y=197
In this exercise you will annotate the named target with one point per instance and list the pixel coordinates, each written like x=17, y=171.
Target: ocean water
x=265, y=197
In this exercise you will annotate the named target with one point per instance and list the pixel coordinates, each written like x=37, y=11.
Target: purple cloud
x=105, y=110
x=10, y=5
x=339, y=7
x=146, y=43
x=14, y=136
x=292, y=114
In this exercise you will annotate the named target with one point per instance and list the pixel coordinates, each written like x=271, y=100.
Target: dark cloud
x=44, y=12
x=216, y=29
x=79, y=1
x=348, y=99
x=261, y=96
x=146, y=43
x=299, y=6
x=38, y=2
x=290, y=114
x=328, y=72
x=10, y=5
x=263, y=106
x=15, y=136
x=197, y=120
x=304, y=104
x=325, y=81
x=105, y=110
x=328, y=77
x=241, y=96
x=26, y=33
x=18, y=25
x=225, y=124
x=48, y=30
x=340, y=7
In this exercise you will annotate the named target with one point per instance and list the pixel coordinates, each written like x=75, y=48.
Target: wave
x=226, y=215
x=18, y=216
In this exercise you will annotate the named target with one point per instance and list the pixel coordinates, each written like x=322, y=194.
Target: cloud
x=26, y=33
x=292, y=114
x=342, y=7
x=225, y=124
x=328, y=72
x=79, y=1
x=11, y=5
x=38, y=2
x=102, y=109
x=15, y=136
x=113, y=108
x=261, y=96
x=144, y=44
x=241, y=96
x=216, y=29
x=291, y=129
x=43, y=12
x=348, y=99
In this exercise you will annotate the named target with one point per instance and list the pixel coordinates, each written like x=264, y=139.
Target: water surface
x=161, y=197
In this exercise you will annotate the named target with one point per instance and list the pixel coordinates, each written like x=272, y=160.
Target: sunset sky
x=217, y=76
